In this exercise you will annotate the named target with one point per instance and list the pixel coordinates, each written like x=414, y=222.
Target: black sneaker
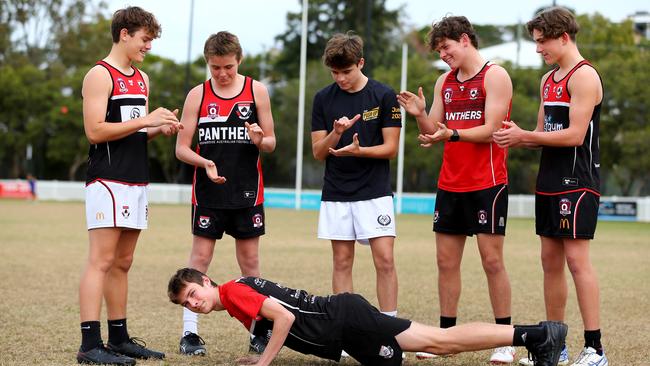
x=136, y=348
x=257, y=345
x=100, y=355
x=192, y=344
x=547, y=352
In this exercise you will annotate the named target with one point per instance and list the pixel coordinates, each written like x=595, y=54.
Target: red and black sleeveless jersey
x=565, y=169
x=223, y=138
x=125, y=159
x=469, y=166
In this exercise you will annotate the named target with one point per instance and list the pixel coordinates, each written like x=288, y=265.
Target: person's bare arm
x=322, y=141
x=386, y=150
x=586, y=93
x=282, y=321
x=498, y=94
x=184, y=150
x=262, y=134
x=96, y=90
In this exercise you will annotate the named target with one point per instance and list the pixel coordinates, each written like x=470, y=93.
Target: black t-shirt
x=351, y=178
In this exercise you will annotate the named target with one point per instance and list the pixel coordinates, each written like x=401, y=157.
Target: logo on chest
x=212, y=110
x=244, y=110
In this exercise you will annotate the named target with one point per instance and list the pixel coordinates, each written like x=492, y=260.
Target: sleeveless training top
x=469, y=166
x=223, y=138
x=565, y=169
x=123, y=160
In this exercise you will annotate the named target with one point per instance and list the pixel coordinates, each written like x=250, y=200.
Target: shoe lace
x=505, y=349
x=138, y=342
x=193, y=337
x=583, y=357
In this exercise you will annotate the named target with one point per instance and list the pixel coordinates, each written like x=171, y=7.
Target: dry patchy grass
x=43, y=247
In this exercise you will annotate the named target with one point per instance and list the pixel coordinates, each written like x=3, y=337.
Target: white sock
x=190, y=322
x=390, y=313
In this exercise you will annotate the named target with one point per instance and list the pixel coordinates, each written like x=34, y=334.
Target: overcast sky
x=257, y=22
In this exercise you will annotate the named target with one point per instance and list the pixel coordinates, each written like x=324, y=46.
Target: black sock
x=527, y=334
x=592, y=339
x=91, y=336
x=447, y=321
x=117, y=333
x=504, y=321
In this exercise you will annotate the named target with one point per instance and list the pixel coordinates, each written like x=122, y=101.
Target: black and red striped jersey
x=125, y=159
x=469, y=166
x=564, y=169
x=223, y=138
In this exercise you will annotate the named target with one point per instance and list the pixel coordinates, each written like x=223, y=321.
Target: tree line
x=47, y=46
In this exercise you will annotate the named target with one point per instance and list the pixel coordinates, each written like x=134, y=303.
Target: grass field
x=43, y=247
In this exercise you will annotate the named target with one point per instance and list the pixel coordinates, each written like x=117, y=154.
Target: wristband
x=454, y=136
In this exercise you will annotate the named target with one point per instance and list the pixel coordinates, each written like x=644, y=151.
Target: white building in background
x=521, y=54
x=641, y=20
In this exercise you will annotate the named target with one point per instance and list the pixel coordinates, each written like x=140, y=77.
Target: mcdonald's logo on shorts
x=99, y=216
x=564, y=224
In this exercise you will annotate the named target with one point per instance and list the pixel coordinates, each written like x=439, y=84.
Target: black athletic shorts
x=240, y=223
x=568, y=215
x=468, y=213
x=369, y=335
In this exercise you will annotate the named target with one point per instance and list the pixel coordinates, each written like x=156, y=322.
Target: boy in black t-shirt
x=356, y=124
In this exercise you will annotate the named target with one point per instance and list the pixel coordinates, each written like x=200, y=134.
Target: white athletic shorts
x=113, y=204
x=358, y=220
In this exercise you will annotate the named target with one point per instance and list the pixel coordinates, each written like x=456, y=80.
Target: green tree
x=327, y=17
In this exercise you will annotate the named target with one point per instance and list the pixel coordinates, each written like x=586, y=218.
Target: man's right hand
x=163, y=116
x=343, y=123
x=213, y=174
x=413, y=104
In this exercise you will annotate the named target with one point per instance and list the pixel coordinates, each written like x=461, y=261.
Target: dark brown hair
x=133, y=19
x=180, y=279
x=451, y=27
x=554, y=22
x=343, y=50
x=222, y=44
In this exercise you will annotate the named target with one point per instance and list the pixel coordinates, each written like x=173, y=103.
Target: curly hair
x=554, y=22
x=451, y=27
x=132, y=19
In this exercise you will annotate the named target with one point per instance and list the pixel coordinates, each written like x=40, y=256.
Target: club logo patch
x=258, y=220
x=473, y=93
x=126, y=212
x=141, y=85
x=482, y=217
x=213, y=110
x=565, y=207
x=558, y=92
x=448, y=94
x=384, y=220
x=204, y=222
x=546, y=88
x=122, y=85
x=386, y=352
x=244, y=110
x=435, y=216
